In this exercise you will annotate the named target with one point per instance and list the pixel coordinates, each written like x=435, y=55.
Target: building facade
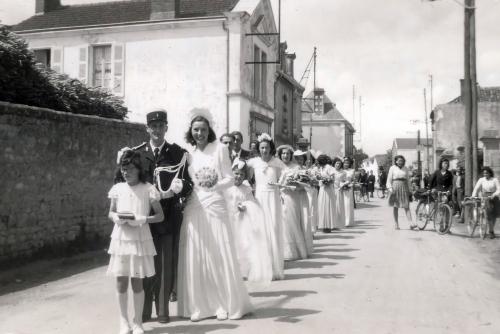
x=288, y=101
x=448, y=128
x=175, y=54
x=325, y=127
x=409, y=148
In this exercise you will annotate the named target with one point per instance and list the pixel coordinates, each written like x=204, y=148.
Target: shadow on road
x=340, y=250
x=192, y=328
x=291, y=315
x=45, y=271
x=303, y=276
x=286, y=293
x=308, y=264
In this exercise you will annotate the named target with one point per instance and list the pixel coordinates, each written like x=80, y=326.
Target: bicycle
x=381, y=192
x=435, y=209
x=476, y=216
x=360, y=192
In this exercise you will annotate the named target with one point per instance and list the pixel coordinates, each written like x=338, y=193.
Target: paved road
x=366, y=279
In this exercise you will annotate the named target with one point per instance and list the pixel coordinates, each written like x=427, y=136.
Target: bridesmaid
x=267, y=169
x=338, y=188
x=307, y=213
x=293, y=237
x=349, y=193
x=326, y=195
x=312, y=193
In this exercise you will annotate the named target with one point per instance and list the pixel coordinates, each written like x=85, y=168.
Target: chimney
x=164, y=9
x=44, y=6
x=290, y=57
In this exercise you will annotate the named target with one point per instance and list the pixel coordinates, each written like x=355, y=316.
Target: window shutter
x=118, y=68
x=56, y=59
x=83, y=64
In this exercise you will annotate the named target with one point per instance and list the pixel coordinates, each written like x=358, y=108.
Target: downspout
x=226, y=29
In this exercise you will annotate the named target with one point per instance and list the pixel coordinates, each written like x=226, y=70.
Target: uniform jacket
x=170, y=154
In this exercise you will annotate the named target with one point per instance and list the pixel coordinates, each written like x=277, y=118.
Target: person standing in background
x=458, y=190
x=371, y=183
x=238, y=152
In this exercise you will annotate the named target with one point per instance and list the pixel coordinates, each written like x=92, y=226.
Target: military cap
x=157, y=115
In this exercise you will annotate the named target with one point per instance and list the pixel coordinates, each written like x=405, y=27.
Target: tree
x=359, y=156
x=24, y=81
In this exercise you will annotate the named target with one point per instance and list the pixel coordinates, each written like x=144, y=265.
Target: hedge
x=24, y=81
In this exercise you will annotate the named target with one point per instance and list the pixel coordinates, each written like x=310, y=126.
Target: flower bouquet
x=206, y=178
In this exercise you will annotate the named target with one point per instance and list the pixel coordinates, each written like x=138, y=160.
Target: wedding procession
x=249, y=166
x=193, y=226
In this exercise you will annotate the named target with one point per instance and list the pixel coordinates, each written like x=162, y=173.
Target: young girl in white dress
x=209, y=278
x=267, y=171
x=249, y=228
x=293, y=236
x=131, y=248
x=349, y=193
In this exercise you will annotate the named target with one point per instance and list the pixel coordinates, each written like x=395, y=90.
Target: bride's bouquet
x=206, y=178
x=297, y=177
x=323, y=178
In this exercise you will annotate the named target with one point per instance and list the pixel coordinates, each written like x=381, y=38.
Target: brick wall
x=55, y=171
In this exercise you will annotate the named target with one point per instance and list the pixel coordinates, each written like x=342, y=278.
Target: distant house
x=448, y=128
x=288, y=101
x=326, y=128
x=177, y=54
x=408, y=148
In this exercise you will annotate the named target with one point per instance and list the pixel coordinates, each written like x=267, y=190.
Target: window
x=256, y=73
x=101, y=67
x=42, y=56
x=259, y=124
x=284, y=126
x=264, y=77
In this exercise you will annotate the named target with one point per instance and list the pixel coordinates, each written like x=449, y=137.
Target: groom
x=176, y=186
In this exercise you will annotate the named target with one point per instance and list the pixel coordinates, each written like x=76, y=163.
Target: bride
x=209, y=280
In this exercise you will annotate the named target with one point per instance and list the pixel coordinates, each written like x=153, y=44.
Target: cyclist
x=489, y=186
x=442, y=179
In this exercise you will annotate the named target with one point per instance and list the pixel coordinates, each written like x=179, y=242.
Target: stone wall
x=56, y=170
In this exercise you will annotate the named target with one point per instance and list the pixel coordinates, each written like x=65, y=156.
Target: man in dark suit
x=382, y=179
x=238, y=152
x=458, y=190
x=172, y=179
x=371, y=183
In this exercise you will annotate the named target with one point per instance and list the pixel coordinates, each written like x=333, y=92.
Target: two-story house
x=176, y=54
x=324, y=125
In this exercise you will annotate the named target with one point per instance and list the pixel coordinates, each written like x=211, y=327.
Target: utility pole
x=353, y=105
x=314, y=98
x=426, y=132
x=419, y=161
x=467, y=98
x=360, y=122
x=474, y=89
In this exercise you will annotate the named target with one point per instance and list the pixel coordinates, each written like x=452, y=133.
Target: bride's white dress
x=209, y=279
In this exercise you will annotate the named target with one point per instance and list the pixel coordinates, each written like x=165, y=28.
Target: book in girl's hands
x=126, y=215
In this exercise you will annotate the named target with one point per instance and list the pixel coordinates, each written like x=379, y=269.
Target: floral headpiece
x=202, y=112
x=264, y=137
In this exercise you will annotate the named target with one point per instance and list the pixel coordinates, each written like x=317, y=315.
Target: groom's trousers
x=158, y=288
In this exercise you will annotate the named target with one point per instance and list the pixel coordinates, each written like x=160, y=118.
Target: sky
x=386, y=49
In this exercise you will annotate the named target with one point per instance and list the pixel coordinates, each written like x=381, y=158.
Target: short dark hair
x=442, y=161
x=230, y=135
x=271, y=144
x=237, y=133
x=335, y=160
x=131, y=157
x=351, y=161
x=399, y=157
x=211, y=134
x=489, y=170
x=280, y=152
x=323, y=159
